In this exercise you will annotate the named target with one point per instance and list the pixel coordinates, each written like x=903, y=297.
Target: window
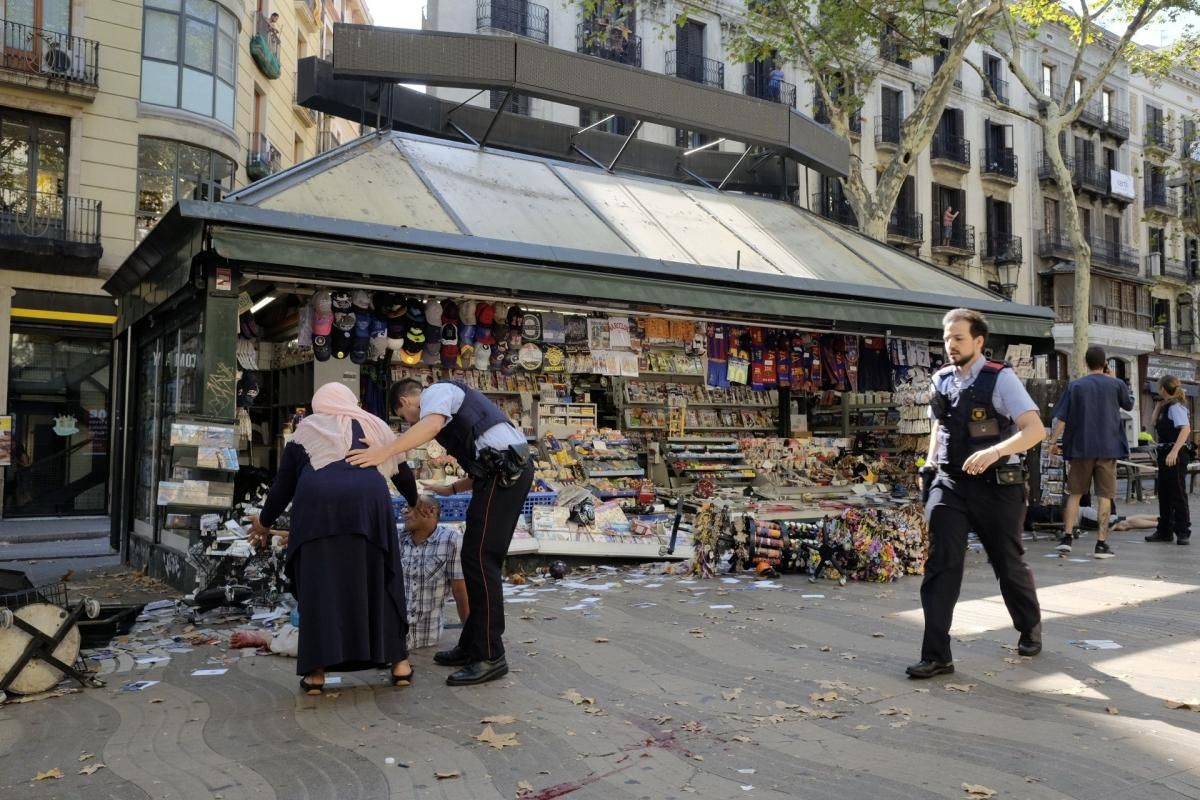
x=1106, y=105
x=33, y=156
x=1047, y=79
x=1078, y=90
x=189, y=57
x=170, y=170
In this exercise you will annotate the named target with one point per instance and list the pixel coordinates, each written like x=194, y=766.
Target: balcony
x=1105, y=315
x=56, y=62
x=1159, y=266
x=1157, y=140
x=513, y=16
x=264, y=46
x=834, y=207
x=1054, y=244
x=999, y=86
x=999, y=164
x=1115, y=256
x=764, y=88
x=1091, y=177
x=1092, y=115
x=906, y=228
x=308, y=12
x=958, y=241
x=1157, y=198
x=890, y=51
x=262, y=159
x=950, y=151
x=612, y=42
x=1046, y=169
x=697, y=69
x=50, y=232
x=1002, y=248
x=887, y=132
x=1117, y=124
x=821, y=116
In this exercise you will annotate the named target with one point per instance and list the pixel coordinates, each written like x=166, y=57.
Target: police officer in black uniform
x=496, y=457
x=983, y=419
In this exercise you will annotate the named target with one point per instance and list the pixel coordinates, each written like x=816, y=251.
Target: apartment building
x=110, y=111
x=985, y=165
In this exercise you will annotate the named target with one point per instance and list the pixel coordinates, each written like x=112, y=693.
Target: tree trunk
x=1082, y=313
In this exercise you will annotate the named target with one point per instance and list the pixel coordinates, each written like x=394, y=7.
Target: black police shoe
x=454, y=657
x=479, y=672
x=1182, y=540
x=1030, y=644
x=1159, y=537
x=927, y=669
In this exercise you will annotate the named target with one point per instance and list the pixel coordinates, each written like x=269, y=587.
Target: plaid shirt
x=428, y=569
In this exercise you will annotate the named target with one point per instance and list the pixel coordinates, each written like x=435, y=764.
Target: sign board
x=1161, y=366
x=6, y=441
x=1121, y=184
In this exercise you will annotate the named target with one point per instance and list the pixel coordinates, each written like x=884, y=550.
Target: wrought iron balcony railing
x=767, y=88
x=834, y=207
x=611, y=42
x=59, y=56
x=958, y=237
x=952, y=149
x=514, y=16
x=1157, y=137
x=1003, y=248
x=887, y=130
x=999, y=86
x=908, y=226
x=1159, y=266
x=696, y=68
x=1117, y=124
x=49, y=216
x=262, y=159
x=999, y=162
x=1158, y=198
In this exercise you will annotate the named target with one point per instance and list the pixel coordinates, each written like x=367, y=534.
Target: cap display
x=322, y=323
x=484, y=335
x=466, y=334
x=322, y=301
x=516, y=315
x=449, y=310
x=484, y=315
x=412, y=347
x=341, y=342
x=466, y=356
x=379, y=340
x=362, y=323
x=415, y=310
x=433, y=354
x=344, y=320
x=359, y=349
x=483, y=356
x=466, y=312
x=342, y=300
x=361, y=299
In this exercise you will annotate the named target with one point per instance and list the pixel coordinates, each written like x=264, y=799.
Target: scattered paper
x=333, y=680
x=823, y=697
x=812, y=597
x=600, y=640
x=520, y=599
x=151, y=660
x=747, y=771
x=201, y=673
x=497, y=740
x=138, y=686
x=721, y=606
x=742, y=739
x=1096, y=644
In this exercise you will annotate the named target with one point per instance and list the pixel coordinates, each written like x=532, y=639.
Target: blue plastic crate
x=454, y=507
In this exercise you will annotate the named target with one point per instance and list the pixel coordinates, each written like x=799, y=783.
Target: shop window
x=58, y=398
x=189, y=57
x=169, y=171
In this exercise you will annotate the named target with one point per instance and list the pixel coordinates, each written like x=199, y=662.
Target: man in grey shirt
x=1088, y=417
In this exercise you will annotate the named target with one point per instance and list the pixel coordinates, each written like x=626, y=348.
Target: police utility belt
x=507, y=465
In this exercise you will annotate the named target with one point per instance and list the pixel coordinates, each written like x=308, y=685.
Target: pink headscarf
x=326, y=434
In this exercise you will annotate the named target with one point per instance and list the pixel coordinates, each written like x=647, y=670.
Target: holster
x=506, y=466
x=1011, y=475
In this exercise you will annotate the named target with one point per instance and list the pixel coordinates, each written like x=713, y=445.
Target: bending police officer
x=496, y=457
x=982, y=419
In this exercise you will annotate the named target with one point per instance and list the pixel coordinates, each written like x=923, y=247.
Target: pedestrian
x=343, y=554
x=496, y=457
x=775, y=83
x=948, y=217
x=1088, y=418
x=432, y=557
x=982, y=419
x=1173, y=430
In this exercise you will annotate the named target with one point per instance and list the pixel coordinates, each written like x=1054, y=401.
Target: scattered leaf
x=732, y=695
x=441, y=776
x=901, y=724
x=862, y=727
x=698, y=757
x=823, y=697
x=661, y=719
x=1187, y=706
x=499, y=719
x=1031, y=779
x=50, y=774
x=577, y=699
x=826, y=649
x=742, y=739
x=694, y=727
x=524, y=790
x=1112, y=710
x=497, y=740
x=595, y=711
x=877, y=635
x=975, y=790
x=156, y=700
x=848, y=656
x=960, y=687
x=86, y=757
x=600, y=640
x=91, y=769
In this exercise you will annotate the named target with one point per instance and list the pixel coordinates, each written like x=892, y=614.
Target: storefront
x=639, y=331
x=1156, y=367
x=58, y=386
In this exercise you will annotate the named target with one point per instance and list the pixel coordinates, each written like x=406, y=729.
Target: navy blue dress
x=343, y=560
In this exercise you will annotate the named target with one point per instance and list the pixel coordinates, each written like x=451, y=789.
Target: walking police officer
x=982, y=420
x=496, y=457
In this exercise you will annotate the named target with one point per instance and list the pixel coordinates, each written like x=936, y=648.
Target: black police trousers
x=1174, y=518
x=491, y=518
x=958, y=505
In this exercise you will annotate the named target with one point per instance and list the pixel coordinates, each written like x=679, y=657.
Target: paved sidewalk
x=784, y=695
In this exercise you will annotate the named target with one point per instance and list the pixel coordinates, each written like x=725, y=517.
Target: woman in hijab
x=343, y=553
x=1173, y=429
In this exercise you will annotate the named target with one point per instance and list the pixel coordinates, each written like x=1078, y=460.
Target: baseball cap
x=433, y=312
x=362, y=323
x=516, y=315
x=449, y=340
x=484, y=314
x=385, y=303
x=466, y=356
x=433, y=353
x=484, y=335
x=342, y=300
x=341, y=342
x=396, y=328
x=466, y=334
x=361, y=299
x=415, y=310
x=322, y=323
x=247, y=389
x=449, y=310
x=344, y=320
x=359, y=349
x=378, y=334
x=412, y=347
x=483, y=356
x=321, y=350
x=466, y=312
x=322, y=301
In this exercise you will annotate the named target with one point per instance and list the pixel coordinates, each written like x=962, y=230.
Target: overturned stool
x=40, y=639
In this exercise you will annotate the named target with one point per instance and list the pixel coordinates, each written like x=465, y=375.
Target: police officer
x=496, y=457
x=982, y=419
x=1173, y=430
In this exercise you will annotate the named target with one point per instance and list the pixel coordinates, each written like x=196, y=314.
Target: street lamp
x=1009, y=271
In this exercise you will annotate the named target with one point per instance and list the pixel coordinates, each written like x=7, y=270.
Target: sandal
x=312, y=689
x=403, y=680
